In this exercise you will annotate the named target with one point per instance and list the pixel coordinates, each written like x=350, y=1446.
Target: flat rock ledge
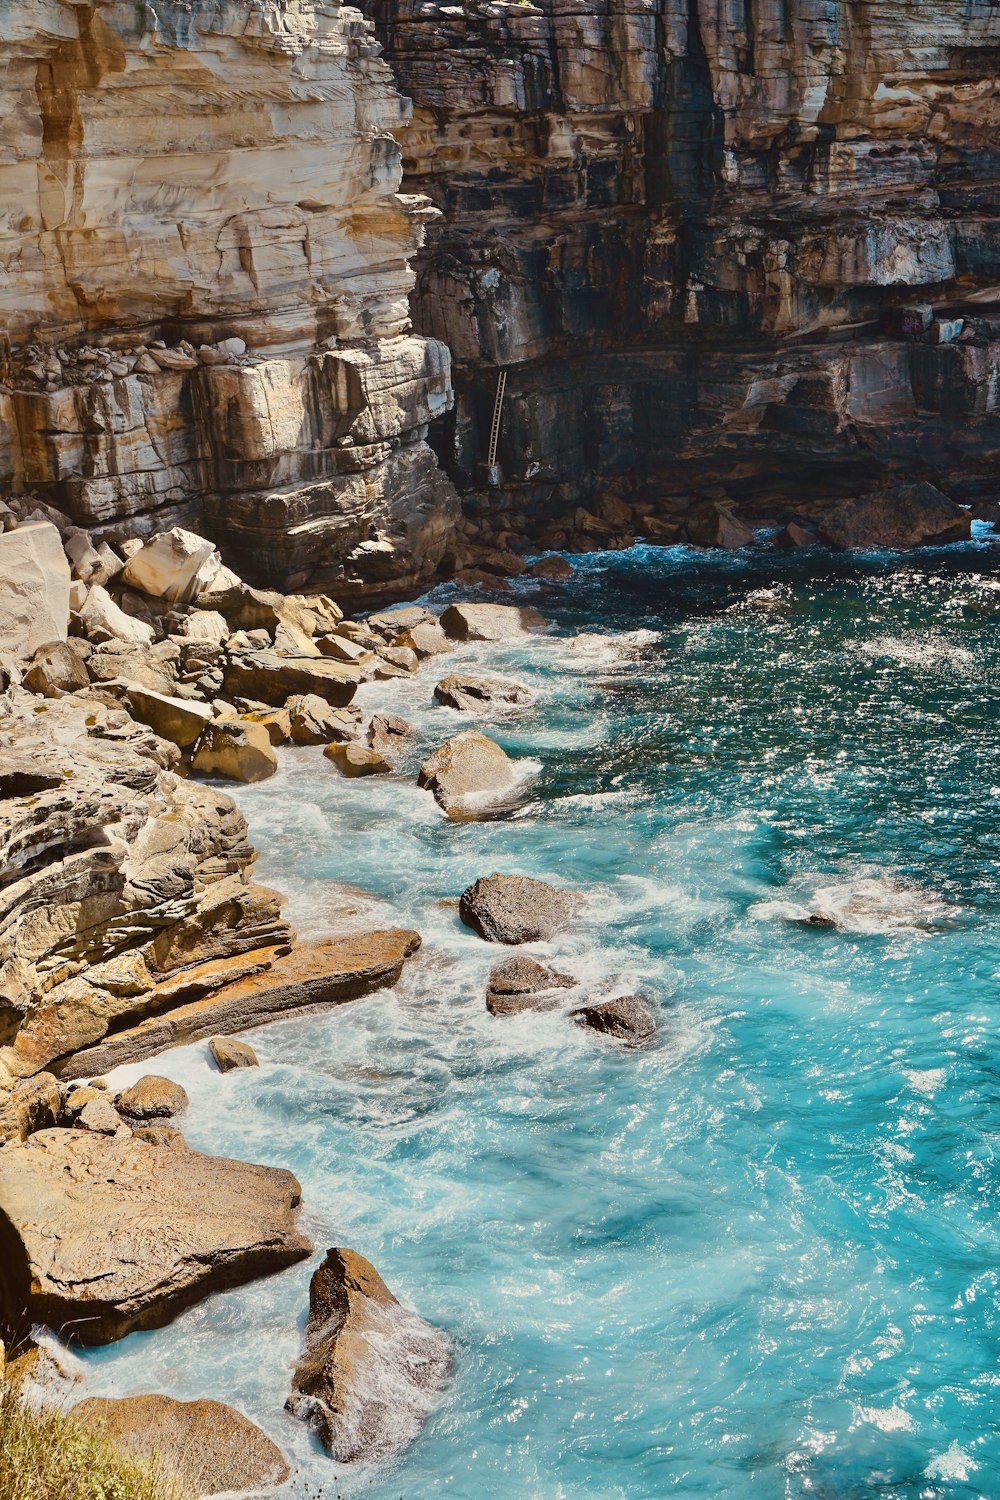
x=327, y=971
x=370, y=1370
x=101, y=1235
x=212, y=1449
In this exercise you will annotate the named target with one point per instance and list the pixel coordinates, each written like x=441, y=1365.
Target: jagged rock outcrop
x=205, y=304
x=694, y=236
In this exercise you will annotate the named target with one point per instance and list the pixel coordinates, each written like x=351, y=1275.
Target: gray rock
x=628, y=1019
x=518, y=984
x=517, y=909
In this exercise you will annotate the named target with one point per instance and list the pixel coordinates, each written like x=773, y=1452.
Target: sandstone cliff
x=692, y=232
x=204, y=272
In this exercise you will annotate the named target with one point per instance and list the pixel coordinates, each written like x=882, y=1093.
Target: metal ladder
x=497, y=415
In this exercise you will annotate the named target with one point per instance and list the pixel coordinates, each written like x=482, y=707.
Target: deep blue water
x=759, y=1261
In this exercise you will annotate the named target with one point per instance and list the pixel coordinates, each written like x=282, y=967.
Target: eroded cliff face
x=204, y=283
x=693, y=232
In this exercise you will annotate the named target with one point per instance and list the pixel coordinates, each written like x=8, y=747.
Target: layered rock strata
x=204, y=300
x=741, y=251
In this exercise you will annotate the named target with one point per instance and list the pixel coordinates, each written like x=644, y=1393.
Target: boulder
x=489, y=622
x=59, y=669
x=101, y=1235
x=174, y=565
x=472, y=693
x=388, y=734
x=102, y=620
x=314, y=722
x=518, y=984
x=31, y=1105
x=628, y=1019
x=205, y=625
x=391, y=624
x=395, y=661
x=357, y=760
x=553, y=567
x=468, y=766
x=180, y=720
x=152, y=1098
x=425, y=640
x=899, y=516
x=273, y=679
x=207, y=1446
x=237, y=749
x=97, y=1113
x=517, y=909
x=370, y=1370
x=34, y=589
x=795, y=534
x=277, y=722
x=327, y=971
x=291, y=640
x=342, y=648
x=229, y=1054
x=714, y=525
x=161, y=1135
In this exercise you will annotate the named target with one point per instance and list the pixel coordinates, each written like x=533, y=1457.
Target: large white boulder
x=34, y=589
x=174, y=565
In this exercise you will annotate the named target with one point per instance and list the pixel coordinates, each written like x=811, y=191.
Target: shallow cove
x=760, y=1259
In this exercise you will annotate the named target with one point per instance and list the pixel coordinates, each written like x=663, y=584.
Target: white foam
x=954, y=1463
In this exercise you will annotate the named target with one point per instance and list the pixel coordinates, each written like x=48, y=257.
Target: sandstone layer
x=205, y=296
x=741, y=252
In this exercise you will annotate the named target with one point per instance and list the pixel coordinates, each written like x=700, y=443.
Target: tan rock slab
x=327, y=971
x=34, y=589
x=237, y=749
x=101, y=1235
x=357, y=760
x=489, y=622
x=211, y=1448
x=180, y=720
x=273, y=679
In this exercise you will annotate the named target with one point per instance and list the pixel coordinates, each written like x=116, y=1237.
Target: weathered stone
x=34, y=589
x=176, y=719
x=553, y=567
x=209, y=1447
x=174, y=565
x=102, y=1235
x=273, y=679
x=152, y=1098
x=388, y=734
x=489, y=622
x=371, y=1370
x=628, y=1019
x=904, y=515
x=466, y=773
x=518, y=984
x=340, y=648
x=329, y=971
x=29, y=1106
x=237, y=749
x=517, y=909
x=161, y=1135
x=469, y=694
x=205, y=625
x=102, y=620
x=314, y=722
x=715, y=526
x=58, y=669
x=357, y=760
x=230, y=1055
x=277, y=722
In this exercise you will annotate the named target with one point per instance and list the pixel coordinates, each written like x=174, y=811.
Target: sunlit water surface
x=760, y=1260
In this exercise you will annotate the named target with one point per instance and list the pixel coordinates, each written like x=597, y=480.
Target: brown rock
x=472, y=693
x=518, y=984
x=58, y=669
x=322, y=972
x=29, y=1106
x=236, y=749
x=152, y=1098
x=101, y=1235
x=516, y=908
x=176, y=719
x=554, y=567
x=357, y=760
x=468, y=766
x=370, y=1370
x=273, y=679
x=230, y=1055
x=628, y=1019
x=795, y=535
x=314, y=722
x=209, y=1447
x=161, y=1135
x=899, y=517
x=714, y=525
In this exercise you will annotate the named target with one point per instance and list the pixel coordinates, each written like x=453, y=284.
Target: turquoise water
x=760, y=1260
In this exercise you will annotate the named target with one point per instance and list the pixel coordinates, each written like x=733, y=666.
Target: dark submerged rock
x=628, y=1019
x=518, y=984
